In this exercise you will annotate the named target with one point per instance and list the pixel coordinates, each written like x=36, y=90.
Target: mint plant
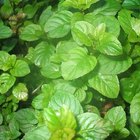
x=77, y=76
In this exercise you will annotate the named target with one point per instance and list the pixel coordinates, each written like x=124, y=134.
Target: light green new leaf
x=93, y=127
x=6, y=82
x=26, y=119
x=109, y=44
x=58, y=25
x=31, y=32
x=42, y=53
x=78, y=64
x=134, y=109
x=60, y=119
x=5, y=32
x=20, y=92
x=39, y=133
x=107, y=85
x=20, y=69
x=135, y=23
x=6, y=61
x=117, y=116
x=112, y=24
x=79, y=4
x=113, y=65
x=82, y=32
x=60, y=99
x=62, y=123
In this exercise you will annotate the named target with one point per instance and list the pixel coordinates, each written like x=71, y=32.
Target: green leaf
x=79, y=4
x=20, y=92
x=5, y=32
x=31, y=32
x=64, y=86
x=62, y=49
x=58, y=25
x=42, y=53
x=60, y=99
x=117, y=117
x=126, y=24
x=134, y=109
x=30, y=10
x=14, y=128
x=110, y=7
x=6, y=10
x=109, y=44
x=113, y=65
x=81, y=33
x=134, y=128
x=107, y=85
x=130, y=86
x=6, y=82
x=39, y=133
x=131, y=4
x=51, y=70
x=20, y=69
x=26, y=119
x=112, y=24
x=93, y=127
x=80, y=94
x=42, y=100
x=6, y=61
x=1, y=119
x=78, y=64
x=45, y=15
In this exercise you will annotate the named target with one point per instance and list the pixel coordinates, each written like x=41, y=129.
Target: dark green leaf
x=131, y=4
x=1, y=119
